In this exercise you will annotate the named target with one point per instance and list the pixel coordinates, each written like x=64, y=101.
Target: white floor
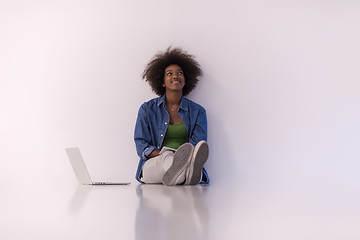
x=234, y=211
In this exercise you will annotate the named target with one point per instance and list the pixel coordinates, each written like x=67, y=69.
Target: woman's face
x=174, y=79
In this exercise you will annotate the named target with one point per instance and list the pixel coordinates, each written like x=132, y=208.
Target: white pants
x=155, y=168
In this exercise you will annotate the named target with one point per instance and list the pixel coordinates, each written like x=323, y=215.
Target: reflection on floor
x=262, y=210
x=172, y=212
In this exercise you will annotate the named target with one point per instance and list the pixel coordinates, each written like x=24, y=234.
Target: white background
x=281, y=87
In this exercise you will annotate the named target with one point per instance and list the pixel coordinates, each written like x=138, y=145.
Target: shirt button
x=165, y=123
x=161, y=135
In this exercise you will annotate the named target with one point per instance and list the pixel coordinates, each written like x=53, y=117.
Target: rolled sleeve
x=147, y=152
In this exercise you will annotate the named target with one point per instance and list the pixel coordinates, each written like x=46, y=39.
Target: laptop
x=81, y=171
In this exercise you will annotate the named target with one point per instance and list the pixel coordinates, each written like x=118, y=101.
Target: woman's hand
x=154, y=153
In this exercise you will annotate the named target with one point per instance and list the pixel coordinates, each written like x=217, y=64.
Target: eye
x=180, y=73
x=169, y=73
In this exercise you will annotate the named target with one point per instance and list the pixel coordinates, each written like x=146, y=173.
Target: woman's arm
x=142, y=135
x=200, y=129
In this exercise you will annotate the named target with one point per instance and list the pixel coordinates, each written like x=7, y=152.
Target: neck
x=173, y=98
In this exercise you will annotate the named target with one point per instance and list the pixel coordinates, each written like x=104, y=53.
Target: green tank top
x=175, y=136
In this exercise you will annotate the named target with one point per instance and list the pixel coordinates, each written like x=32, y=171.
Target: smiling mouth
x=176, y=81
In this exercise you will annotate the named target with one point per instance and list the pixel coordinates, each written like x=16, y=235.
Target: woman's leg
x=194, y=170
x=168, y=168
x=181, y=160
x=155, y=168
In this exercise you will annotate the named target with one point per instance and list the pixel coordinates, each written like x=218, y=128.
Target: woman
x=171, y=130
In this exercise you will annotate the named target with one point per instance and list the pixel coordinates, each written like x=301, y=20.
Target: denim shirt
x=153, y=120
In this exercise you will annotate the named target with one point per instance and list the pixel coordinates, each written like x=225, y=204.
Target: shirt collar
x=161, y=100
x=183, y=103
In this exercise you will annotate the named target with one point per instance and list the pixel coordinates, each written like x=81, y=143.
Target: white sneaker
x=180, y=162
x=200, y=155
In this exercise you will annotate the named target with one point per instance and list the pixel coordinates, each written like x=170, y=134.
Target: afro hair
x=155, y=70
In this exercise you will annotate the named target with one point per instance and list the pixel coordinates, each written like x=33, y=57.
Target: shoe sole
x=201, y=155
x=181, y=160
